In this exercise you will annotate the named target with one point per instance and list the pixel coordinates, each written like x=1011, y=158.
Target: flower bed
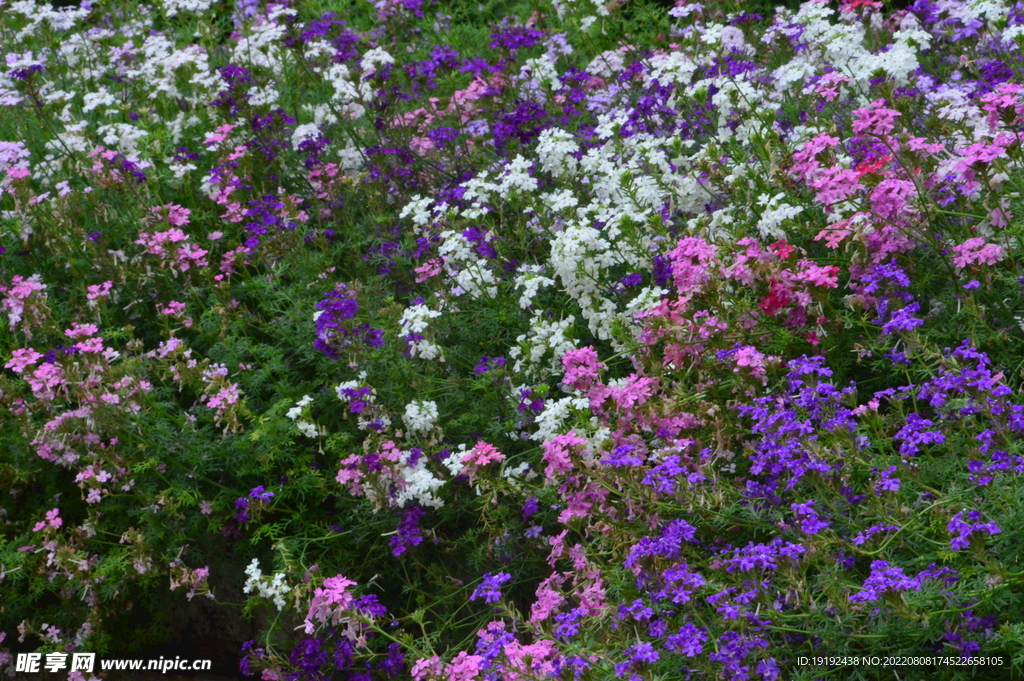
x=549, y=339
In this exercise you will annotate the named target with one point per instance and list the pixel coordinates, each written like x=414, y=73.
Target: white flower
x=296, y=411
x=420, y=416
x=274, y=588
x=173, y=7
x=374, y=58
x=415, y=320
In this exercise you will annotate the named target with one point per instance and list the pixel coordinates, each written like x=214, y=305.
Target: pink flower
x=984, y=152
x=691, y=263
x=99, y=291
x=465, y=667
x=220, y=134
x=90, y=345
x=581, y=368
x=224, y=398
x=875, y=119
x=816, y=275
x=976, y=251
x=173, y=308
x=428, y=269
x=828, y=86
x=79, y=330
x=836, y=184
x=635, y=392
x=548, y=600
x=426, y=667
x=53, y=520
x=482, y=454
x=21, y=359
x=889, y=198
x=175, y=214
x=806, y=162
x=330, y=603
x=556, y=454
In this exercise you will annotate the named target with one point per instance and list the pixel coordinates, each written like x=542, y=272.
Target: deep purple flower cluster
x=763, y=556
x=490, y=588
x=516, y=38
x=408, y=531
x=964, y=529
x=257, y=494
x=666, y=545
x=333, y=331
x=489, y=364
x=886, y=578
x=808, y=517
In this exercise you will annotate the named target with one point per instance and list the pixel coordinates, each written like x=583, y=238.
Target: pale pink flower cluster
x=755, y=361
x=691, y=263
x=976, y=252
x=481, y=455
x=875, y=119
x=53, y=520
x=193, y=580
x=99, y=291
x=179, y=258
x=219, y=135
x=828, y=86
x=223, y=397
x=175, y=215
x=464, y=667
x=557, y=454
x=24, y=301
x=331, y=603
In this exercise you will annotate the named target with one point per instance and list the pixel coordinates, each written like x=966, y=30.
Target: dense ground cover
x=553, y=339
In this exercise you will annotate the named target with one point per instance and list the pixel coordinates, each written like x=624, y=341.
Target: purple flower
x=689, y=641
x=763, y=556
x=261, y=494
x=622, y=456
x=408, y=531
x=516, y=37
x=489, y=588
x=642, y=652
x=887, y=482
x=489, y=364
x=568, y=623
x=667, y=545
x=634, y=279
x=964, y=530
x=333, y=331
x=914, y=434
x=394, y=663
x=862, y=537
x=368, y=605
x=903, y=320
x=809, y=520
x=884, y=578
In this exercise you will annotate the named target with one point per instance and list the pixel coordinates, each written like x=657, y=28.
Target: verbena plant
x=516, y=341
